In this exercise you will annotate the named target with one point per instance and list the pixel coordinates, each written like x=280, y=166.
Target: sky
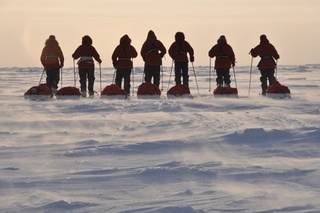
x=292, y=26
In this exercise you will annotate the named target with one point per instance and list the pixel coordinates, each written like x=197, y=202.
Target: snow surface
x=207, y=154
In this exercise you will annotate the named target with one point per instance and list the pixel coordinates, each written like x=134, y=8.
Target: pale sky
x=292, y=26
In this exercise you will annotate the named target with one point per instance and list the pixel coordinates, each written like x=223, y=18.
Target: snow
x=206, y=154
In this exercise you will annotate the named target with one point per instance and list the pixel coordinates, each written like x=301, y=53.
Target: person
x=121, y=59
x=178, y=52
x=267, y=64
x=86, y=52
x=52, y=60
x=225, y=58
x=152, y=52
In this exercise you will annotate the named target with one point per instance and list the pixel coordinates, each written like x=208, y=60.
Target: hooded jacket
x=179, y=49
x=267, y=53
x=52, y=56
x=152, y=50
x=224, y=54
x=86, y=52
x=121, y=56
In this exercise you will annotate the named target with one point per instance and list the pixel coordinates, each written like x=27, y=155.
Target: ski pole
x=194, y=72
x=100, y=76
x=132, y=72
x=276, y=68
x=41, y=76
x=61, y=76
x=143, y=74
x=170, y=74
x=74, y=73
x=235, y=79
x=114, y=74
x=209, y=74
x=161, y=78
x=250, y=75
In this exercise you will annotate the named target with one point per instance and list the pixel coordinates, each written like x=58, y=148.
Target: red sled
x=40, y=92
x=179, y=91
x=68, y=93
x=225, y=91
x=148, y=90
x=277, y=90
x=113, y=91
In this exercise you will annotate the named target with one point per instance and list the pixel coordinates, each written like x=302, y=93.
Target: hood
x=222, y=40
x=86, y=40
x=151, y=36
x=125, y=40
x=179, y=37
x=51, y=40
x=263, y=39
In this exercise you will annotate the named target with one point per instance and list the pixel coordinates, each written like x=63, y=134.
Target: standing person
x=86, y=52
x=152, y=52
x=267, y=64
x=178, y=52
x=121, y=59
x=52, y=60
x=224, y=60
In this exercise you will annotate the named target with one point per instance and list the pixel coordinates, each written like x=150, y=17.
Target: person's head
x=125, y=40
x=222, y=40
x=179, y=37
x=51, y=40
x=263, y=39
x=151, y=36
x=86, y=40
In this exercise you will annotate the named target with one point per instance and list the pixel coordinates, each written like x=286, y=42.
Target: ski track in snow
x=206, y=154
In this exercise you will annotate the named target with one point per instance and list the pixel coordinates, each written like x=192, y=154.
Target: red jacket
x=121, y=57
x=85, y=52
x=152, y=50
x=179, y=49
x=267, y=53
x=223, y=53
x=52, y=56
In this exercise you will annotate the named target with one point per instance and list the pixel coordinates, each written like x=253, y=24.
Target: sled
x=40, y=92
x=277, y=90
x=179, y=91
x=148, y=91
x=225, y=92
x=70, y=92
x=114, y=92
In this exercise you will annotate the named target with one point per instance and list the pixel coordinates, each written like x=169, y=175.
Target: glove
x=233, y=64
x=61, y=65
x=192, y=58
x=100, y=61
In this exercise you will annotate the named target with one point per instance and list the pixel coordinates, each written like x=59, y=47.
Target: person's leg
x=147, y=73
x=127, y=79
x=271, y=77
x=185, y=73
x=226, y=77
x=83, y=81
x=263, y=80
x=219, y=78
x=119, y=76
x=177, y=72
x=91, y=79
x=49, y=78
x=156, y=75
